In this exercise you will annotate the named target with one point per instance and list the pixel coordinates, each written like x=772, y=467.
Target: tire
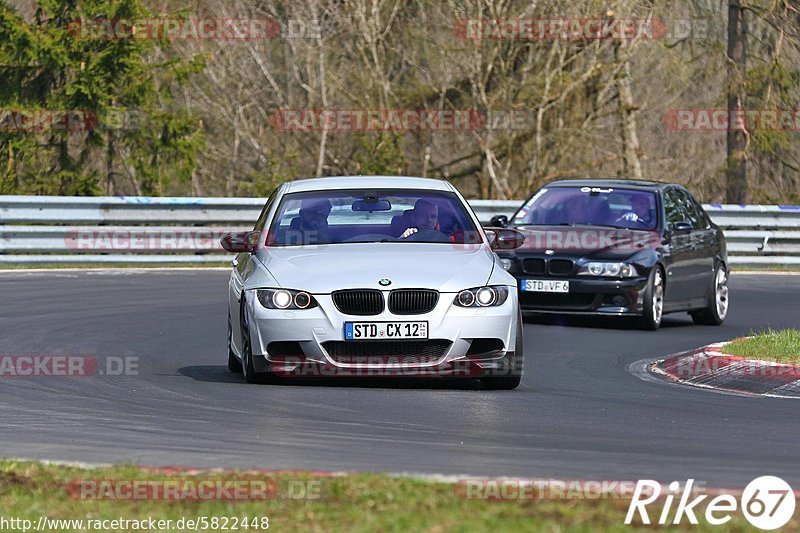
x=248, y=369
x=718, y=300
x=234, y=365
x=653, y=310
x=513, y=380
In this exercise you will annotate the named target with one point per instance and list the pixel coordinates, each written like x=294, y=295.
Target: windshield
x=596, y=206
x=347, y=216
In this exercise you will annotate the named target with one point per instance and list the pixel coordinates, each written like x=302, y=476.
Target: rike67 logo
x=767, y=502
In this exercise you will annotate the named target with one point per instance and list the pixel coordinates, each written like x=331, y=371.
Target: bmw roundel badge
x=384, y=282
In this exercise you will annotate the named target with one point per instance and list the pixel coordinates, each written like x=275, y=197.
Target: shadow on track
x=619, y=323
x=220, y=374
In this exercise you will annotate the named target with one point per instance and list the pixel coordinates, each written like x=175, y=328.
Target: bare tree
x=737, y=140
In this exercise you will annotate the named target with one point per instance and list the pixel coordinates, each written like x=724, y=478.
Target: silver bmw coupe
x=372, y=276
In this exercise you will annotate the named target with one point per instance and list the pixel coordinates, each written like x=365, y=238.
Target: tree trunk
x=737, y=139
x=323, y=141
x=631, y=166
x=231, y=183
x=110, y=163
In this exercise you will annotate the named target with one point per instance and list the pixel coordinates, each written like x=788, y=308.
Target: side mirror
x=240, y=241
x=499, y=221
x=505, y=239
x=682, y=226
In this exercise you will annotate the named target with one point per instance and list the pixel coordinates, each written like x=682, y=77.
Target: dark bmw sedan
x=618, y=248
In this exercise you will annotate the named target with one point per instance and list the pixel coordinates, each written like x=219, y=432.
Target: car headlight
x=608, y=269
x=489, y=296
x=285, y=299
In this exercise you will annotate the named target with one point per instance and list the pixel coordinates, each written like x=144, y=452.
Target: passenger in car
x=311, y=226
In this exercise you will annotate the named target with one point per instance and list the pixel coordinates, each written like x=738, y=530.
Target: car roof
x=622, y=183
x=362, y=182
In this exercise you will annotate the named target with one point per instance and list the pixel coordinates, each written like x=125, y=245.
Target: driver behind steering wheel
x=425, y=216
x=640, y=211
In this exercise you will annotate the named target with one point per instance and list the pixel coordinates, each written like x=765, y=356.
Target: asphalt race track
x=578, y=415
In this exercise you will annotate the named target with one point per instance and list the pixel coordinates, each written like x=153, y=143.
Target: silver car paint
x=321, y=269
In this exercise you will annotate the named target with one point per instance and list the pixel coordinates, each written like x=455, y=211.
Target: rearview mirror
x=370, y=206
x=504, y=239
x=500, y=221
x=240, y=241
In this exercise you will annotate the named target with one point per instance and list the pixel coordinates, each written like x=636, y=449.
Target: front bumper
x=587, y=296
x=462, y=342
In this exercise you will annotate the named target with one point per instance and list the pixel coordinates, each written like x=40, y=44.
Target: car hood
x=586, y=241
x=322, y=269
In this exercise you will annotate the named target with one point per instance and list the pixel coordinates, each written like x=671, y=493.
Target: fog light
x=507, y=263
x=620, y=300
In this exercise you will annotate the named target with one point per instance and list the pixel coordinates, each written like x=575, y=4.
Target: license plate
x=544, y=285
x=354, y=331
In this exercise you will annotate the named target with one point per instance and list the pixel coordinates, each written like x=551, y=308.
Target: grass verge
x=781, y=346
x=301, y=501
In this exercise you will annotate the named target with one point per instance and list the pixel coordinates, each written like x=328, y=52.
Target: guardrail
x=759, y=235
x=137, y=230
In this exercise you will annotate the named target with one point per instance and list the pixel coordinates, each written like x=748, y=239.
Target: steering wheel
x=428, y=235
x=638, y=220
x=367, y=237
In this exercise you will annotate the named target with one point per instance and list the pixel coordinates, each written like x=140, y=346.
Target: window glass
x=262, y=218
x=401, y=215
x=597, y=206
x=673, y=208
x=694, y=211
